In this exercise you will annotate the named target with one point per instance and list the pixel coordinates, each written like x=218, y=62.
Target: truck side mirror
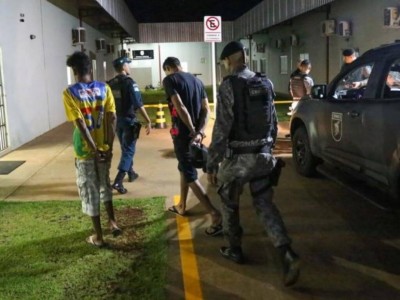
x=318, y=91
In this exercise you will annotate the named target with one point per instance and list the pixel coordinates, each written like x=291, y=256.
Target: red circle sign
x=212, y=23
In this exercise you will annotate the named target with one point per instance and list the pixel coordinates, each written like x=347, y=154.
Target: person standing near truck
x=244, y=134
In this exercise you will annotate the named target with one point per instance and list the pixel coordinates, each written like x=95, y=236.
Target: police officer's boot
x=117, y=185
x=132, y=175
x=233, y=253
x=291, y=265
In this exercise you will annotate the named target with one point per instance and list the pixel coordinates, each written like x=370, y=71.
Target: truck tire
x=304, y=161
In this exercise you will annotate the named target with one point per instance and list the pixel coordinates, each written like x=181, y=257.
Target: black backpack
x=254, y=110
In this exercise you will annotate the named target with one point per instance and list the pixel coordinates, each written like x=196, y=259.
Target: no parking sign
x=212, y=29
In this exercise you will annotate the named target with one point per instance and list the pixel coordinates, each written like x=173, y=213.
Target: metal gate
x=3, y=119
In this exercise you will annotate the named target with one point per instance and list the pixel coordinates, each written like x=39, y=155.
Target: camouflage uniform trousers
x=93, y=181
x=232, y=175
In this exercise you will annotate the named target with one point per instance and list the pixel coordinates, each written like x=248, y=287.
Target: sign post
x=212, y=34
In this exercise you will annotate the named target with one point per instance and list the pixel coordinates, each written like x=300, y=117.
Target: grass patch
x=43, y=253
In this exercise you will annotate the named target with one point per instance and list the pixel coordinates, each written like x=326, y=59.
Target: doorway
x=4, y=144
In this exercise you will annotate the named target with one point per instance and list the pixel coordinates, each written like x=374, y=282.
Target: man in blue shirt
x=189, y=109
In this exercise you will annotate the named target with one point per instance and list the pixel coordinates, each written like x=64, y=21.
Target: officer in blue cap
x=120, y=61
x=128, y=101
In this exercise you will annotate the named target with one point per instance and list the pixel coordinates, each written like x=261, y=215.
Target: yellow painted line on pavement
x=190, y=273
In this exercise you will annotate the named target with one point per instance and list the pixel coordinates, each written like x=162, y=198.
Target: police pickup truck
x=354, y=122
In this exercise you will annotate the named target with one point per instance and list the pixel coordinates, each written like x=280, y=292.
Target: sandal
x=90, y=240
x=116, y=231
x=214, y=230
x=174, y=210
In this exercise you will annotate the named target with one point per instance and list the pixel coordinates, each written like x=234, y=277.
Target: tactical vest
x=297, y=86
x=252, y=108
x=120, y=89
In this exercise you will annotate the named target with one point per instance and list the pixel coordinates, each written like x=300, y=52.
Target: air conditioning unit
x=123, y=53
x=260, y=47
x=328, y=27
x=100, y=44
x=279, y=43
x=78, y=36
x=110, y=48
x=344, y=28
x=294, y=40
x=390, y=17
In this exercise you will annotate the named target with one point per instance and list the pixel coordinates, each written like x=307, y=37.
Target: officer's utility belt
x=247, y=150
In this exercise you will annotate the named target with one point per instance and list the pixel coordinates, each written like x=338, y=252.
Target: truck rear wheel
x=305, y=162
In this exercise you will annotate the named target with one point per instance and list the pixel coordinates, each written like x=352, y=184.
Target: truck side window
x=392, y=82
x=353, y=84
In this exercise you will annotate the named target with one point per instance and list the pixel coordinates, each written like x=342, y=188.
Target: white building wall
x=23, y=64
x=34, y=69
x=35, y=72
x=196, y=55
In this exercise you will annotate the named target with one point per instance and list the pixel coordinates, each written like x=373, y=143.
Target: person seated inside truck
x=352, y=86
x=392, y=87
x=356, y=79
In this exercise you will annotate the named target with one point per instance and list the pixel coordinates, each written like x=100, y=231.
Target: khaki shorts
x=93, y=184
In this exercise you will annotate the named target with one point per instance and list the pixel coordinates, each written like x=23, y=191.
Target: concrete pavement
x=49, y=174
x=350, y=249
x=49, y=171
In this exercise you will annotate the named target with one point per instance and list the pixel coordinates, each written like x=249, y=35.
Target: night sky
x=158, y=11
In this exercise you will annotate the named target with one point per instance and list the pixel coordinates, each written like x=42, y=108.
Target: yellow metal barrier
x=161, y=106
x=161, y=122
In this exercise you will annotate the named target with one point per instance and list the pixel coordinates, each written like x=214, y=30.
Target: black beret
x=120, y=61
x=348, y=52
x=231, y=48
x=305, y=62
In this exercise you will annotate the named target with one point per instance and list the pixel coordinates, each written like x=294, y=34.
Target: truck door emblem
x=336, y=126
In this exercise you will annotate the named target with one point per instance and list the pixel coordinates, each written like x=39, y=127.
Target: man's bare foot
x=95, y=242
x=176, y=209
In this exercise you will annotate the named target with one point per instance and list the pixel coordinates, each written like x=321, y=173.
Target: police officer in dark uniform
x=244, y=133
x=300, y=83
x=128, y=101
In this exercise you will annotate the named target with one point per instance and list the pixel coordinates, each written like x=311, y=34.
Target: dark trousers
x=127, y=141
x=270, y=217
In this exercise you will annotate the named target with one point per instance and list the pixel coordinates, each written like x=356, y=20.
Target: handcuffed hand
x=103, y=153
x=197, y=138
